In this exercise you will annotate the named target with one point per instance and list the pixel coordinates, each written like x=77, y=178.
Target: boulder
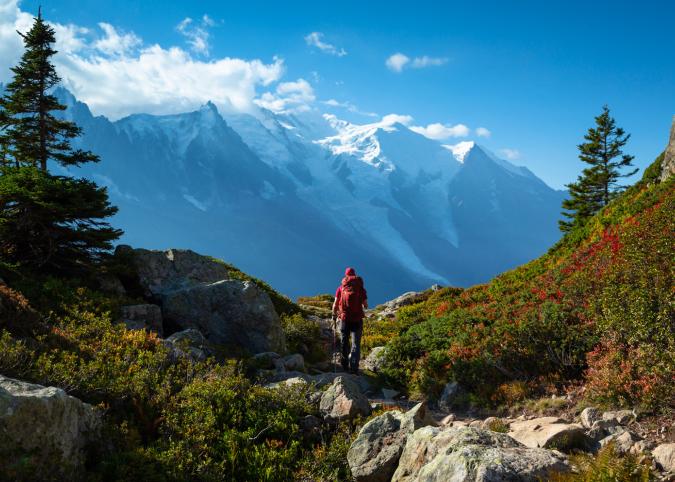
x=374, y=454
x=227, y=312
x=589, y=416
x=448, y=396
x=623, y=441
x=266, y=359
x=143, y=317
x=44, y=430
x=549, y=432
x=343, y=400
x=162, y=271
x=621, y=417
x=188, y=344
x=603, y=428
x=375, y=359
x=664, y=456
x=294, y=362
x=470, y=454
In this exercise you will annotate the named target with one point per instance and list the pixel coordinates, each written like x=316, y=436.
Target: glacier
x=294, y=198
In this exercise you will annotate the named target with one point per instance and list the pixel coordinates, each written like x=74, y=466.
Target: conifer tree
x=598, y=184
x=31, y=134
x=48, y=223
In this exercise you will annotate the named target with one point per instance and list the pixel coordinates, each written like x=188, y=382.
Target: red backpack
x=351, y=298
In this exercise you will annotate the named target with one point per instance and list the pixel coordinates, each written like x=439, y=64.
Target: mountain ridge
x=262, y=191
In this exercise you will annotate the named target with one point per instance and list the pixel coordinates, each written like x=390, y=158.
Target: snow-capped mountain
x=294, y=198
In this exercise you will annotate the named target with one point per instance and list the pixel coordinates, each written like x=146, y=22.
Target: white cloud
x=398, y=61
x=349, y=107
x=114, y=43
x=288, y=97
x=391, y=119
x=510, y=154
x=425, y=61
x=116, y=74
x=483, y=132
x=315, y=39
x=439, y=131
x=196, y=34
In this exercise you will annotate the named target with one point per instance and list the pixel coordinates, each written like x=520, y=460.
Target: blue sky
x=532, y=73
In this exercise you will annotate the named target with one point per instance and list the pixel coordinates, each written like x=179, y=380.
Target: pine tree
x=598, y=184
x=48, y=223
x=31, y=134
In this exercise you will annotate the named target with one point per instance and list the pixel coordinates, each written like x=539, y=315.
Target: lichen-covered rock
x=227, y=312
x=44, y=429
x=162, y=271
x=374, y=454
x=589, y=416
x=188, y=344
x=549, y=432
x=143, y=317
x=664, y=456
x=375, y=359
x=470, y=454
x=343, y=400
x=621, y=417
x=622, y=441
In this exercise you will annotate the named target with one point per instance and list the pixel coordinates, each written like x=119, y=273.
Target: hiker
x=350, y=301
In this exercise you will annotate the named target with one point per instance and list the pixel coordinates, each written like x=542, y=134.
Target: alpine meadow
x=226, y=255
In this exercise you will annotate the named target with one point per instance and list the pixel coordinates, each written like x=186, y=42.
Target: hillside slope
x=598, y=308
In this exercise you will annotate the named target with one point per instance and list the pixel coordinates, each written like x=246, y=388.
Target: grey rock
x=621, y=417
x=294, y=362
x=449, y=395
x=188, y=343
x=668, y=164
x=227, y=312
x=162, y=271
x=197, y=292
x=470, y=454
x=589, y=416
x=664, y=456
x=623, y=441
x=389, y=309
x=143, y=317
x=602, y=428
x=343, y=400
x=266, y=359
x=374, y=454
x=45, y=427
x=549, y=432
x=375, y=359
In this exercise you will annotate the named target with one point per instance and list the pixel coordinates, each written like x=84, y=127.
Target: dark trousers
x=351, y=330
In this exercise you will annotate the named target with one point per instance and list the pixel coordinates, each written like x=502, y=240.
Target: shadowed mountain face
x=295, y=199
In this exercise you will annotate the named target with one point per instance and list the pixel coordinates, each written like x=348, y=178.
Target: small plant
x=303, y=336
x=606, y=466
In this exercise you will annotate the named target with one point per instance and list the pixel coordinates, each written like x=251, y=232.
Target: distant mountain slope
x=295, y=198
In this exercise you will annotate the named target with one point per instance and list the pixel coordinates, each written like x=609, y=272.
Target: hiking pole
x=333, y=324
